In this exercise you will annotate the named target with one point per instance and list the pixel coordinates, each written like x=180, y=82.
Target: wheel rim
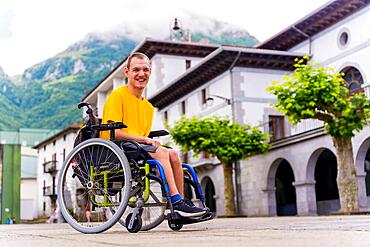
x=94, y=180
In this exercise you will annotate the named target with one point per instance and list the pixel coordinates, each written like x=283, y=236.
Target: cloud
x=6, y=17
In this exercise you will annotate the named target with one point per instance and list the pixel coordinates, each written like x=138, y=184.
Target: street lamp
x=211, y=97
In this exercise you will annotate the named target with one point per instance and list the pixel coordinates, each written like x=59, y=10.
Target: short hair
x=138, y=55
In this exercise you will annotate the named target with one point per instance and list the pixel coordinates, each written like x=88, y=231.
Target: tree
x=314, y=92
x=220, y=137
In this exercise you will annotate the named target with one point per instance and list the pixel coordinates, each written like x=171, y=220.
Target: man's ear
x=125, y=71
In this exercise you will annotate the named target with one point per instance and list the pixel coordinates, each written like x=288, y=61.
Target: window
x=276, y=127
x=343, y=38
x=353, y=78
x=204, y=96
x=183, y=107
x=64, y=154
x=64, y=137
x=54, y=143
x=187, y=64
x=165, y=116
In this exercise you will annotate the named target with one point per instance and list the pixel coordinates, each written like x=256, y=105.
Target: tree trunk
x=346, y=178
x=229, y=190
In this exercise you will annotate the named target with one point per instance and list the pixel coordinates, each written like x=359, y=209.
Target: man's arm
x=119, y=134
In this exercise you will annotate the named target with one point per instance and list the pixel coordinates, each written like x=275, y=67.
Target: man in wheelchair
x=126, y=104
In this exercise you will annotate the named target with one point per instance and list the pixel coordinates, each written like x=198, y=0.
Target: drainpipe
x=236, y=163
x=306, y=35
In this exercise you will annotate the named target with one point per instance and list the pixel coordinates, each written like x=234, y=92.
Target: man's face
x=139, y=72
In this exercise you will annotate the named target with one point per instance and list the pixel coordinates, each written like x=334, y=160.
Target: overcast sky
x=34, y=30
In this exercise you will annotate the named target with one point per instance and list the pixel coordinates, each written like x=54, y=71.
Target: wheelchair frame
x=98, y=185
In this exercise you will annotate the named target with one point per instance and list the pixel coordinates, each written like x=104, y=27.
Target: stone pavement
x=265, y=231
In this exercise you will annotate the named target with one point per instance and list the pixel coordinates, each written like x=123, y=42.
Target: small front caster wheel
x=174, y=226
x=136, y=226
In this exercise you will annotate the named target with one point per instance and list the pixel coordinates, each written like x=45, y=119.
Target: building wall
x=165, y=69
x=29, y=194
x=44, y=155
x=324, y=45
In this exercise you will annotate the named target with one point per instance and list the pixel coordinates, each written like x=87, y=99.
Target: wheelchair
x=103, y=182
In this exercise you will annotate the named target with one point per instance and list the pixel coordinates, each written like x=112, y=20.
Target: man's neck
x=135, y=91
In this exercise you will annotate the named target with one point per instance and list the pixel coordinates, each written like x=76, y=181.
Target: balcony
x=49, y=191
x=50, y=167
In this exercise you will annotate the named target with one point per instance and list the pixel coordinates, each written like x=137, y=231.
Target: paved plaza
x=265, y=231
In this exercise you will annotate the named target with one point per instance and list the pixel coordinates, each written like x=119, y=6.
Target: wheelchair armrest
x=109, y=126
x=156, y=133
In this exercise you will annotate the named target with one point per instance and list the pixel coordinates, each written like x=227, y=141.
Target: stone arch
x=322, y=169
x=280, y=189
x=362, y=164
x=209, y=193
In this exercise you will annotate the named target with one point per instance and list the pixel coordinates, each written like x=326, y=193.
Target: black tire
x=95, y=178
x=174, y=226
x=136, y=226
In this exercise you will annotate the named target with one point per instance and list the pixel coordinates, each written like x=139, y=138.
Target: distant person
x=88, y=213
x=52, y=216
x=126, y=104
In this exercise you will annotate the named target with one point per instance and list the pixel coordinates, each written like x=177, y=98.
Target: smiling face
x=138, y=73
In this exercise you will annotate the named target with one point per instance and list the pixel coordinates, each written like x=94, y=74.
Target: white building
x=298, y=175
x=51, y=154
x=29, y=192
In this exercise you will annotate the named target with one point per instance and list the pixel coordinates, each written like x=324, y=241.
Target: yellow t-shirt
x=123, y=106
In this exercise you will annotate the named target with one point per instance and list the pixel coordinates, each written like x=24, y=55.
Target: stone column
x=271, y=201
x=117, y=82
x=366, y=88
x=362, y=197
x=306, y=197
x=102, y=97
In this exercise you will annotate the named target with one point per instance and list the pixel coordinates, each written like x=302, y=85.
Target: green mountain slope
x=47, y=94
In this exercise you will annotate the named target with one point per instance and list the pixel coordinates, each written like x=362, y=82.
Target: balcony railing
x=306, y=125
x=50, y=166
x=49, y=191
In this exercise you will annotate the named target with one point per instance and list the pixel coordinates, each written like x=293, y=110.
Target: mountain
x=55, y=86
x=46, y=94
x=10, y=112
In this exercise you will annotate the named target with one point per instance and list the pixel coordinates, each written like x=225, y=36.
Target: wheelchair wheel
x=95, y=181
x=153, y=209
x=137, y=224
x=175, y=226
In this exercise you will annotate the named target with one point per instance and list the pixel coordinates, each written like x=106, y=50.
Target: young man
x=126, y=104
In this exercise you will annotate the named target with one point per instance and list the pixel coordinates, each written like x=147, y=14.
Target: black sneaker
x=183, y=209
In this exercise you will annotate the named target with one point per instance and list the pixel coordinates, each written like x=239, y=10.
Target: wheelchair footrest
x=191, y=220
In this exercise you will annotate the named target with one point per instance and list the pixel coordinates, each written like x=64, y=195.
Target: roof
x=150, y=47
x=314, y=23
x=67, y=130
x=221, y=60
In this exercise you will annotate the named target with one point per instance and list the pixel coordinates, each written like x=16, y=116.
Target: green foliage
x=228, y=141
x=319, y=93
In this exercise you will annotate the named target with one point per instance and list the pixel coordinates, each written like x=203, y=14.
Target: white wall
x=325, y=44
x=165, y=69
x=46, y=155
x=29, y=193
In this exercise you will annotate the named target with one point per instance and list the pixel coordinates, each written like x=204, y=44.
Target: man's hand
x=152, y=142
